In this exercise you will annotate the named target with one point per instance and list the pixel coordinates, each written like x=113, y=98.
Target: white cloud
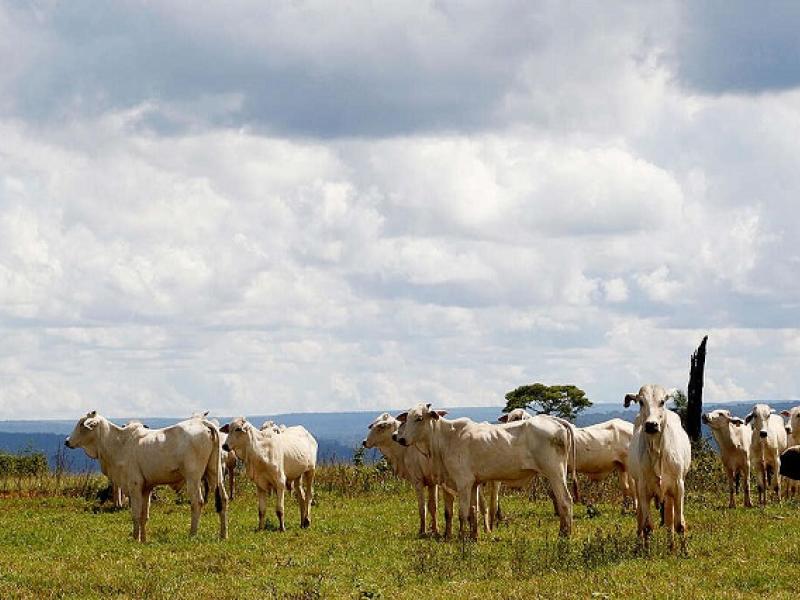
x=479, y=199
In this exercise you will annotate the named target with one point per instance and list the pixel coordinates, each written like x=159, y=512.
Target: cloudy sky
x=259, y=207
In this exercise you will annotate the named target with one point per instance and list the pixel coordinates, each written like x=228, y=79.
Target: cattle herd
x=467, y=460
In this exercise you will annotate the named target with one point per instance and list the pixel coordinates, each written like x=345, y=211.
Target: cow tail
x=574, y=455
x=571, y=454
x=214, y=468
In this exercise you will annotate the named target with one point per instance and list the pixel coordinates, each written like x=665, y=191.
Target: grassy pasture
x=363, y=544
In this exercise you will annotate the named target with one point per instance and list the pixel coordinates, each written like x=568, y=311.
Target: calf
x=733, y=439
x=276, y=461
x=659, y=458
x=767, y=443
x=410, y=464
x=138, y=459
x=466, y=454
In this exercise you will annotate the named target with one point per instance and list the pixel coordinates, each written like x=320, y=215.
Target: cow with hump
x=767, y=443
x=276, y=461
x=733, y=439
x=138, y=459
x=600, y=450
x=465, y=454
x=412, y=465
x=659, y=459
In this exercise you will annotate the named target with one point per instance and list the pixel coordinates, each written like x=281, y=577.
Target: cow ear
x=785, y=413
x=91, y=414
x=402, y=417
x=503, y=418
x=225, y=428
x=748, y=418
x=437, y=414
x=205, y=414
x=631, y=398
x=736, y=421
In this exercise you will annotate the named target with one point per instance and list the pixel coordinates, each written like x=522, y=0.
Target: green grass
x=363, y=544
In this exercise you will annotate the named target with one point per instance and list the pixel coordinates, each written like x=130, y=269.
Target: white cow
x=138, y=459
x=659, y=458
x=409, y=463
x=600, y=449
x=792, y=439
x=766, y=445
x=733, y=439
x=276, y=461
x=466, y=454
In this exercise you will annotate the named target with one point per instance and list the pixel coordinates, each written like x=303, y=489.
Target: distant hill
x=338, y=434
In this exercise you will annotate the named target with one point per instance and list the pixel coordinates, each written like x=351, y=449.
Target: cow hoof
x=306, y=523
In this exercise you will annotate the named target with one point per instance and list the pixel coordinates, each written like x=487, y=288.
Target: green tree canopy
x=564, y=401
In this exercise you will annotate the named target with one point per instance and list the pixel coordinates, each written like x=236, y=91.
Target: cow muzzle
x=67, y=444
x=651, y=427
x=788, y=431
x=704, y=419
x=226, y=447
x=364, y=443
x=762, y=434
x=400, y=440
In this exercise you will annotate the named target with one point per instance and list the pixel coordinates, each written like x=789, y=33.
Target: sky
x=252, y=207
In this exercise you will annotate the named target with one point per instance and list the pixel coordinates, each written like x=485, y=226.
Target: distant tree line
x=23, y=464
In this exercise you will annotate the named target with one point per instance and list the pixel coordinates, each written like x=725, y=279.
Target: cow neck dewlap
x=655, y=448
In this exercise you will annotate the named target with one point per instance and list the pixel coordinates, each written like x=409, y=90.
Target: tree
x=694, y=409
x=680, y=405
x=564, y=401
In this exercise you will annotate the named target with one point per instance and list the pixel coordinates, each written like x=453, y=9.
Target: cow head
x=416, y=426
x=84, y=434
x=381, y=431
x=652, y=401
x=720, y=419
x=238, y=438
x=792, y=420
x=518, y=414
x=759, y=420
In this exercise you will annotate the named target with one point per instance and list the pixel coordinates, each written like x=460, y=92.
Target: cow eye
x=238, y=429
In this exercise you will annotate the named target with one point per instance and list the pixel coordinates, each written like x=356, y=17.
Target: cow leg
x=433, y=501
x=464, y=507
x=449, y=500
x=669, y=520
x=419, y=490
x=776, y=461
x=494, y=503
x=680, y=519
x=195, y=490
x=625, y=487
x=308, y=485
x=231, y=482
x=644, y=524
x=116, y=491
x=301, y=498
x=262, y=507
x=280, y=491
x=562, y=499
x=746, y=485
x=483, y=507
x=144, y=514
x=477, y=506
x=136, y=512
